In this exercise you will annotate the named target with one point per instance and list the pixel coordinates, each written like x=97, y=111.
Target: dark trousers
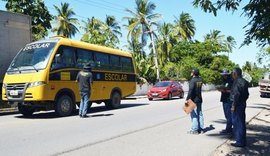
x=84, y=103
x=228, y=115
x=197, y=118
x=239, y=124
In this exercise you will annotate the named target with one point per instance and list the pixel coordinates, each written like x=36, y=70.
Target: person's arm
x=226, y=90
x=229, y=88
x=236, y=95
x=190, y=90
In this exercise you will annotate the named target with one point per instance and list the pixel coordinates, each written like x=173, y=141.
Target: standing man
x=85, y=80
x=239, y=96
x=226, y=101
x=195, y=94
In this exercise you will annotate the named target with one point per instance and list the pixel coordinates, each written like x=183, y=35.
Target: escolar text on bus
x=115, y=77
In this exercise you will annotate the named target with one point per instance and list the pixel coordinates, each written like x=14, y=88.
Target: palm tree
x=184, y=26
x=102, y=33
x=134, y=42
x=165, y=42
x=142, y=20
x=230, y=43
x=113, y=30
x=94, y=31
x=214, y=37
x=65, y=22
x=216, y=40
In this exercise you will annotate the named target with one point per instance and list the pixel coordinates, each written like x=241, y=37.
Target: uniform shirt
x=195, y=90
x=239, y=92
x=84, y=78
x=225, y=96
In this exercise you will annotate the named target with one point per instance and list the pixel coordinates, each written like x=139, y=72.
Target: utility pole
x=154, y=48
x=155, y=54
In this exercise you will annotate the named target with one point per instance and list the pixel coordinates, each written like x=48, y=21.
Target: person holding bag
x=195, y=94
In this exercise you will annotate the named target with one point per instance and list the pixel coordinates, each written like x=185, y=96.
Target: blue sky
x=227, y=22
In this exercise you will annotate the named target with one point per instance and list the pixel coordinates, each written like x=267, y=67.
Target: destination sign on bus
x=36, y=46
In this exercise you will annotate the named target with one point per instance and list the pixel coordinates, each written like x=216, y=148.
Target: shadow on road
x=209, y=128
x=8, y=113
x=101, y=115
x=260, y=106
x=258, y=143
x=220, y=121
x=174, y=98
x=52, y=115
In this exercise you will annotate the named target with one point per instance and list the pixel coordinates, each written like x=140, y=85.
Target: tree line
x=167, y=48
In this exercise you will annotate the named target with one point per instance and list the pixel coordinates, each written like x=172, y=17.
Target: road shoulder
x=258, y=138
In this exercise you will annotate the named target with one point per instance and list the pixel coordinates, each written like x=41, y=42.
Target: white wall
x=142, y=90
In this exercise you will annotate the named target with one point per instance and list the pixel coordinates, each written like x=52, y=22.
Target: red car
x=166, y=90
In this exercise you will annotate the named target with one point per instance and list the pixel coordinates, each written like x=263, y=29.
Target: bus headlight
x=4, y=85
x=35, y=84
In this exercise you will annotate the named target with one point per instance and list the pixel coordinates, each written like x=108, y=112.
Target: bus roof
x=94, y=47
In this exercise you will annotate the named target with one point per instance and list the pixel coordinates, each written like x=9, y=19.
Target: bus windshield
x=33, y=56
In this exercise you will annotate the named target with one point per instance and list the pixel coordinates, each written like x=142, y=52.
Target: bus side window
x=102, y=61
x=83, y=57
x=115, y=62
x=57, y=60
x=126, y=64
x=64, y=58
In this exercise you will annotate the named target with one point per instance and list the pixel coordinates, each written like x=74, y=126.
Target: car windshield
x=33, y=56
x=162, y=84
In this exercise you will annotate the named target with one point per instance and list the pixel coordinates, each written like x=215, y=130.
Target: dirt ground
x=258, y=139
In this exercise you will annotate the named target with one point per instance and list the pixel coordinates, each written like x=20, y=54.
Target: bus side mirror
x=58, y=58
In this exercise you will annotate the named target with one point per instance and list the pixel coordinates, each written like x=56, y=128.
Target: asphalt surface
x=139, y=127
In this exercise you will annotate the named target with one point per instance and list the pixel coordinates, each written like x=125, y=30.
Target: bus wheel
x=114, y=102
x=24, y=110
x=64, y=106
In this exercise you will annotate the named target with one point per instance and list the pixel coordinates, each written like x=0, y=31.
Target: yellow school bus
x=42, y=76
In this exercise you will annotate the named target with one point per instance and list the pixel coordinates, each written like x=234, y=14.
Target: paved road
x=140, y=127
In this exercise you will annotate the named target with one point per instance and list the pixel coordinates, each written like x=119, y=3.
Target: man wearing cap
x=239, y=96
x=225, y=99
x=195, y=94
x=85, y=80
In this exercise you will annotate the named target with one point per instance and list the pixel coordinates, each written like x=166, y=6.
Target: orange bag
x=189, y=106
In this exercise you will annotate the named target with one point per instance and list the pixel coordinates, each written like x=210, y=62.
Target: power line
x=74, y=15
x=106, y=4
x=115, y=4
x=102, y=6
x=87, y=3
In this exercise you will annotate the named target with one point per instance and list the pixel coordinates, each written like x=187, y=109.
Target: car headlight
x=164, y=90
x=35, y=84
x=4, y=85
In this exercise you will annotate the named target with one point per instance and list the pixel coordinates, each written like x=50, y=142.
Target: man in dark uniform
x=226, y=101
x=195, y=94
x=239, y=96
x=85, y=80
